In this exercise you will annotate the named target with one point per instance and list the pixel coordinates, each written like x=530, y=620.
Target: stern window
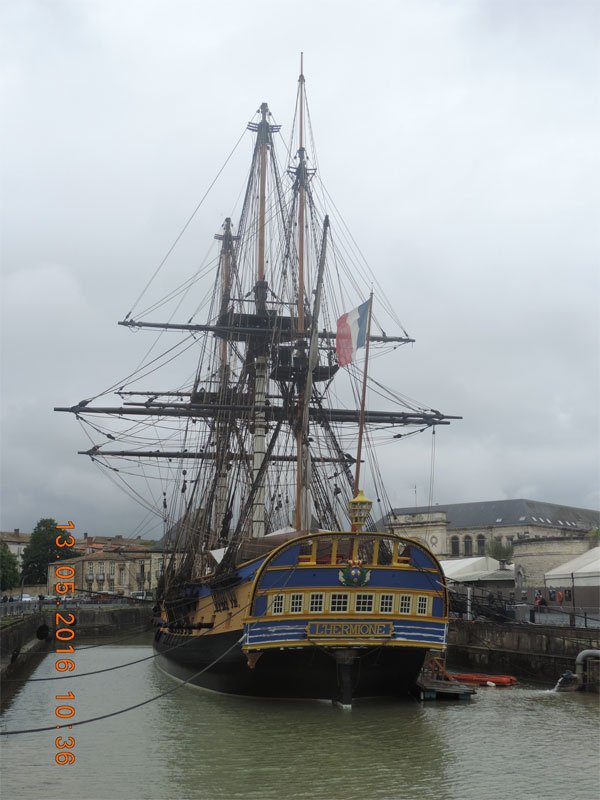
x=405, y=603
x=277, y=607
x=316, y=603
x=296, y=604
x=422, y=604
x=339, y=602
x=386, y=604
x=364, y=603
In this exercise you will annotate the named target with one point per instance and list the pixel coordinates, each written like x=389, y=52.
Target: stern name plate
x=349, y=629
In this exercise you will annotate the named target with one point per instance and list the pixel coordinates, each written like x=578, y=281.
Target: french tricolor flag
x=351, y=333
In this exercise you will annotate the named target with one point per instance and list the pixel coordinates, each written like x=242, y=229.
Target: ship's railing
x=17, y=608
x=336, y=548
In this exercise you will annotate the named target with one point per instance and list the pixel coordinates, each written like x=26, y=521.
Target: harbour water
x=518, y=743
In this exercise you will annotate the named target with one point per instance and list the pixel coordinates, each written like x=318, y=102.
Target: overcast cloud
x=460, y=142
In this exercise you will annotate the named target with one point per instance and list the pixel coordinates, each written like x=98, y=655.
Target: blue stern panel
x=348, y=590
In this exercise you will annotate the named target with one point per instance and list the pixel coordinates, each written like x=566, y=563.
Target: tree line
x=41, y=551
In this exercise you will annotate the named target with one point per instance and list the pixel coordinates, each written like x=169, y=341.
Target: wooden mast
x=264, y=143
x=301, y=173
x=222, y=426
x=260, y=361
x=361, y=425
x=301, y=198
x=304, y=465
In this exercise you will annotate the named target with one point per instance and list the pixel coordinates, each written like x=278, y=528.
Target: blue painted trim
x=329, y=577
x=272, y=631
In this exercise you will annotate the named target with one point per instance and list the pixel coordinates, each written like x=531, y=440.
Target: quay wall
x=535, y=652
x=19, y=642
x=538, y=652
x=106, y=620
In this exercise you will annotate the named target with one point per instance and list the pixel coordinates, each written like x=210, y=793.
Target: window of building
x=481, y=545
x=339, y=602
x=364, y=603
x=386, y=603
x=422, y=604
x=101, y=569
x=455, y=546
x=468, y=546
x=121, y=574
x=296, y=604
x=277, y=607
x=111, y=569
x=316, y=602
x=405, y=603
x=90, y=567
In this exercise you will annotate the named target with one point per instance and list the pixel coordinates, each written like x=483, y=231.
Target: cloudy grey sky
x=460, y=142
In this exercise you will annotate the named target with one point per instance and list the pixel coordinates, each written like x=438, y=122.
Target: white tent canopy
x=472, y=569
x=584, y=570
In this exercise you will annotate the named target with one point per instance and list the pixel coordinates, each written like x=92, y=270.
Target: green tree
x=9, y=568
x=41, y=551
x=499, y=551
x=594, y=537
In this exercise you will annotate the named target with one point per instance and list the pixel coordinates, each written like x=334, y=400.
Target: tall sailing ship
x=275, y=581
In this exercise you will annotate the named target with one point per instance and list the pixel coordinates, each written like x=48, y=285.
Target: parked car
x=26, y=598
x=141, y=596
x=50, y=599
x=83, y=598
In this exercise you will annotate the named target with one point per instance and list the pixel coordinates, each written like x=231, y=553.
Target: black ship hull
x=301, y=673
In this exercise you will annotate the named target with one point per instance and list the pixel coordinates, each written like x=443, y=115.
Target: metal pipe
x=579, y=662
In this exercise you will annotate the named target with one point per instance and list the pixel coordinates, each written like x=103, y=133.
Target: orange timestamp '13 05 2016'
x=64, y=633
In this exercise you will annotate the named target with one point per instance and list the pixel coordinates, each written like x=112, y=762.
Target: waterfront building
x=464, y=530
x=120, y=573
x=535, y=558
x=16, y=543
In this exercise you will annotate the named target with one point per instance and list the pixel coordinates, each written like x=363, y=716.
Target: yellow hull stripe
x=364, y=643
